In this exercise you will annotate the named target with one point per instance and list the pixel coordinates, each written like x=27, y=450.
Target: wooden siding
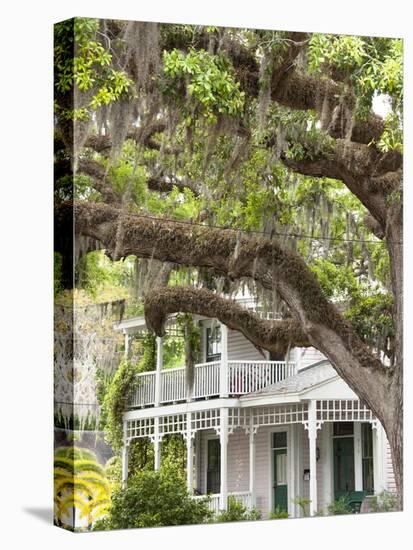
x=238, y=466
x=391, y=482
x=241, y=349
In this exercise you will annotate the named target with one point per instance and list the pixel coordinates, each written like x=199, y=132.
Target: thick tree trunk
x=394, y=236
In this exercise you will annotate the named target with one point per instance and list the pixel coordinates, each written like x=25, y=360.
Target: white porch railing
x=244, y=497
x=206, y=381
x=173, y=385
x=250, y=376
x=145, y=392
x=243, y=377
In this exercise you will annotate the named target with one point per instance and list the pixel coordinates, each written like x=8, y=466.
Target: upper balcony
x=211, y=380
x=231, y=366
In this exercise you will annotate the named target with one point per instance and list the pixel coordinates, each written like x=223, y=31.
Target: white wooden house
x=266, y=430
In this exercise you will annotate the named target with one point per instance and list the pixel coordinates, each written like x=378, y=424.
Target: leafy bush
x=237, y=512
x=154, y=499
x=120, y=390
x=384, y=502
x=279, y=513
x=339, y=507
x=303, y=503
x=114, y=394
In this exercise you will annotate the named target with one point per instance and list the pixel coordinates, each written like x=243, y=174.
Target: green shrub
x=384, y=502
x=236, y=511
x=303, y=503
x=279, y=513
x=339, y=506
x=119, y=391
x=154, y=499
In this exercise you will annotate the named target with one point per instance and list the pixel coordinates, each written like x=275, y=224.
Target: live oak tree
x=225, y=157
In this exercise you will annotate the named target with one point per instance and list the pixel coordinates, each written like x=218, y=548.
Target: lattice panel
x=205, y=420
x=143, y=427
x=238, y=418
x=172, y=424
x=341, y=410
x=280, y=414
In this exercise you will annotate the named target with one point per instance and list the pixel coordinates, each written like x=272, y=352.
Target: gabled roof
x=309, y=377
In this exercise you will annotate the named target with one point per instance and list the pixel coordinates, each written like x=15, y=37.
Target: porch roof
x=313, y=375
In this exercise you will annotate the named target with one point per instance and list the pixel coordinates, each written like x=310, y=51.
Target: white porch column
x=126, y=345
x=159, y=363
x=223, y=379
x=157, y=445
x=189, y=454
x=291, y=452
x=326, y=457
x=252, y=461
x=312, y=436
x=125, y=457
x=379, y=457
x=223, y=439
x=358, y=467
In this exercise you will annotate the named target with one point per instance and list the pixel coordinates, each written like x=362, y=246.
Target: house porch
x=233, y=450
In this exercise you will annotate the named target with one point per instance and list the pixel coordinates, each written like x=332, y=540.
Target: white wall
x=241, y=349
x=238, y=465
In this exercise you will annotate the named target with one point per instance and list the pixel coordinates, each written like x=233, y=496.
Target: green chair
x=355, y=499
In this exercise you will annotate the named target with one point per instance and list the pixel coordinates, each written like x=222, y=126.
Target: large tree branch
x=165, y=184
x=275, y=336
x=122, y=234
x=143, y=135
x=369, y=174
x=297, y=90
x=294, y=89
x=101, y=182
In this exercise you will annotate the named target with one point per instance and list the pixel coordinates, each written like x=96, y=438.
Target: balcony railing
x=242, y=377
x=244, y=497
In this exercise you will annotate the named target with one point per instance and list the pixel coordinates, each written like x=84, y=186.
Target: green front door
x=343, y=449
x=214, y=466
x=280, y=470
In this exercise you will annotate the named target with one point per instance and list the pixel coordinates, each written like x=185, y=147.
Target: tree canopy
x=203, y=160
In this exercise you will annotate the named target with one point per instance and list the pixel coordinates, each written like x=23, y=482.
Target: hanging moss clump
x=192, y=346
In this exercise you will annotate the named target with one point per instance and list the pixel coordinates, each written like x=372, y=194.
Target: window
x=213, y=343
x=281, y=468
x=367, y=457
x=279, y=440
x=343, y=428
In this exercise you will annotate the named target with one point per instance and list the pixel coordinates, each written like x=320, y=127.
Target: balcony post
x=379, y=457
x=252, y=460
x=223, y=379
x=159, y=363
x=358, y=467
x=157, y=445
x=125, y=457
x=189, y=454
x=312, y=437
x=126, y=345
x=223, y=439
